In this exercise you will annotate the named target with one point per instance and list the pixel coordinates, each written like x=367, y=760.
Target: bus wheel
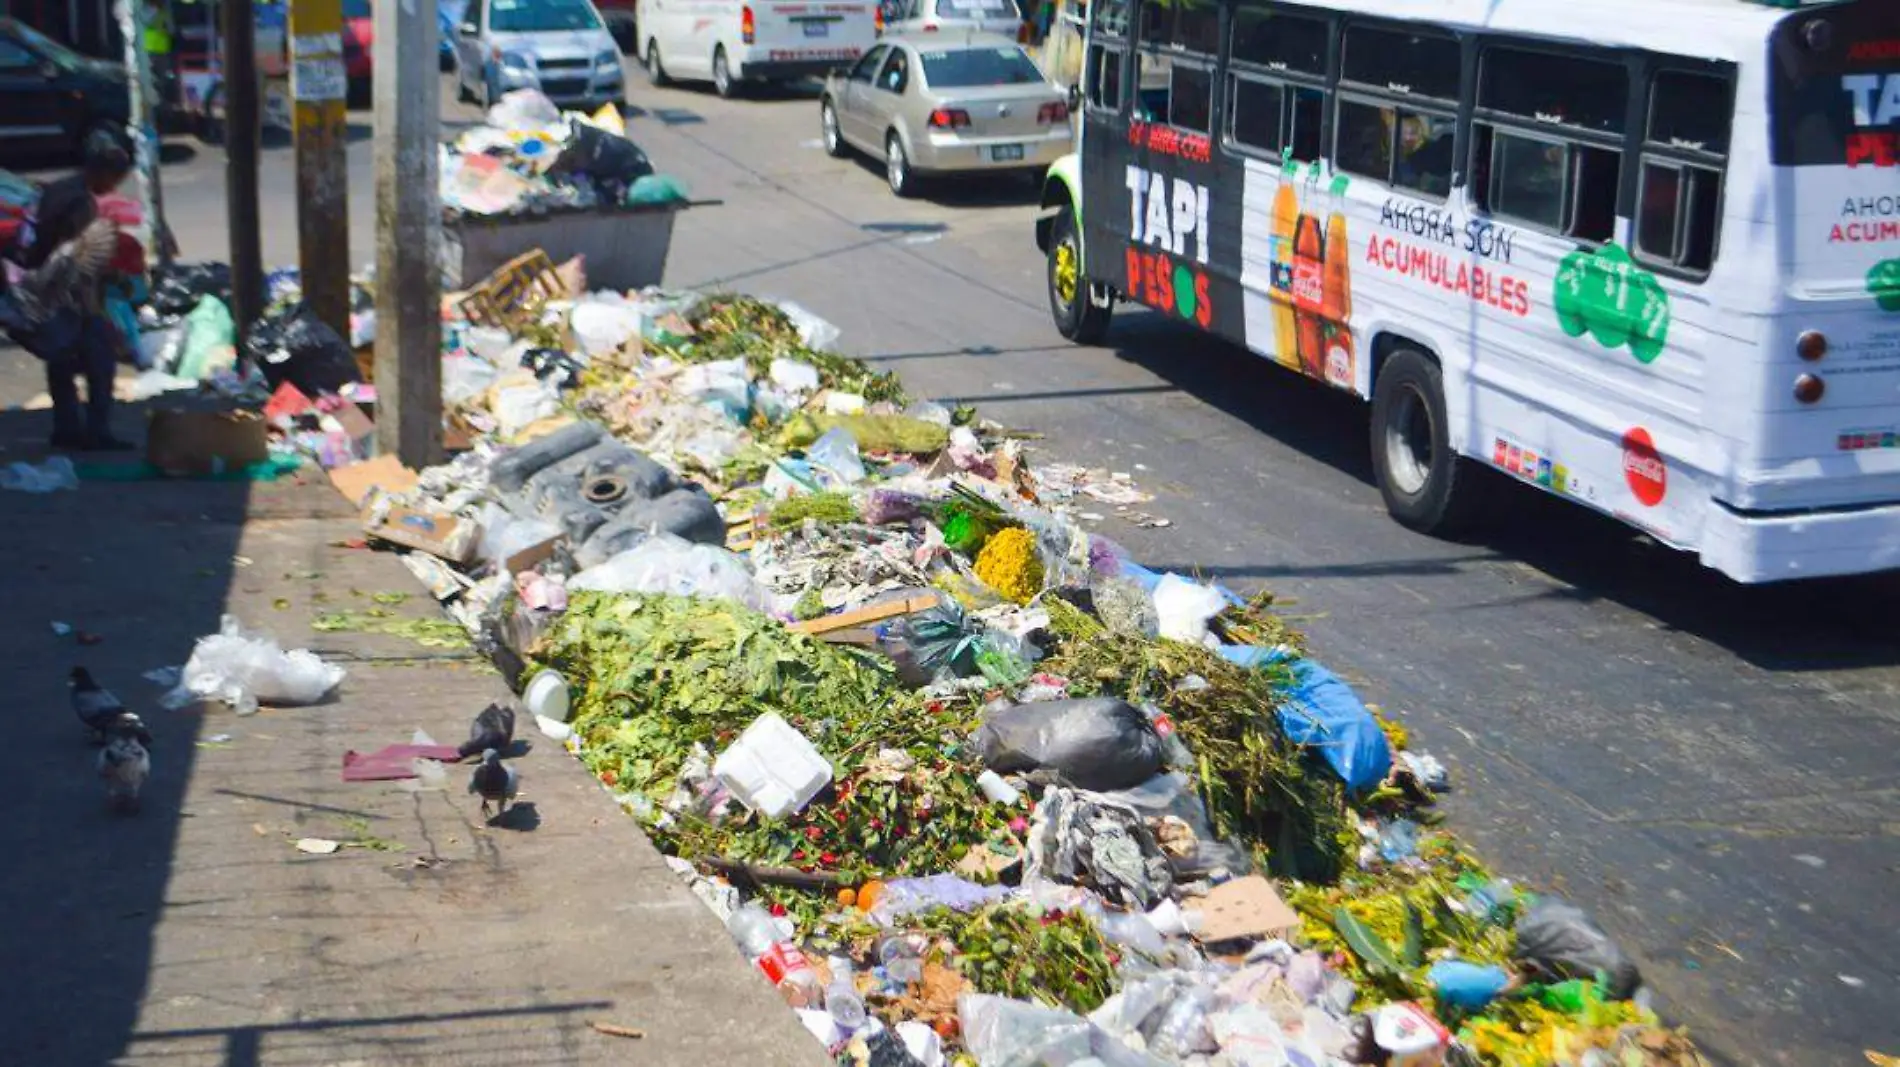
x=1427, y=486
x=1077, y=317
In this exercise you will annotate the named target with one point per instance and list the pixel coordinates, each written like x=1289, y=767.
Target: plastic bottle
x=1337, y=300
x=753, y=929
x=1286, y=213
x=842, y=1001
x=1174, y=751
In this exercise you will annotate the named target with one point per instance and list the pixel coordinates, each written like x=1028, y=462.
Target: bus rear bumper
x=1758, y=547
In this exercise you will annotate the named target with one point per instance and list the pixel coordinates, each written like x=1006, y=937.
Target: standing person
x=62, y=292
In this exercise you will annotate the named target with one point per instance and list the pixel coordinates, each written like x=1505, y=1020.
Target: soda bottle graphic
x=1286, y=213
x=1309, y=286
x=1337, y=300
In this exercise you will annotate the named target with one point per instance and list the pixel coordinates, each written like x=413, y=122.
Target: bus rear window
x=1836, y=87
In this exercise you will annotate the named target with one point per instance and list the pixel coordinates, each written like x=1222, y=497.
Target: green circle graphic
x=1184, y=291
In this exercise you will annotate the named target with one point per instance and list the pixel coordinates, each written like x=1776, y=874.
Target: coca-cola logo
x=1643, y=467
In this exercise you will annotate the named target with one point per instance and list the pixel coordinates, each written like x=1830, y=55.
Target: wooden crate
x=512, y=297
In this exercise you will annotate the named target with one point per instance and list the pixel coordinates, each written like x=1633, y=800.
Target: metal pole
x=241, y=133
x=318, y=86
x=408, y=234
x=143, y=129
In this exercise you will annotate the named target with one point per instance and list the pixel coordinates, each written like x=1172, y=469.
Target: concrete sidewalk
x=195, y=933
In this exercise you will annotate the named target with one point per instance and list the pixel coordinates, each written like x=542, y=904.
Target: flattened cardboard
x=531, y=557
x=1244, y=907
x=357, y=480
x=441, y=536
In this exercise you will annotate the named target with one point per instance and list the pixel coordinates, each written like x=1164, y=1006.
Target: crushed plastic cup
x=995, y=787
x=547, y=697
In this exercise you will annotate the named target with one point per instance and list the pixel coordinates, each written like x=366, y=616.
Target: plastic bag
x=793, y=376
x=177, y=288
x=503, y=535
x=934, y=643
x=466, y=377
x=903, y=897
x=602, y=326
x=1324, y=712
x=1078, y=838
x=245, y=669
x=51, y=475
x=656, y=189
x=886, y=506
x=1172, y=796
x=664, y=563
x=723, y=384
x=1098, y=743
x=1001, y=1032
x=310, y=355
x=602, y=156
x=813, y=332
x=210, y=340
x=837, y=452
x=1560, y=940
x=523, y=109
x=1183, y=608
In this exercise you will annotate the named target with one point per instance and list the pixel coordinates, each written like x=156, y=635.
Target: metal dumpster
x=625, y=248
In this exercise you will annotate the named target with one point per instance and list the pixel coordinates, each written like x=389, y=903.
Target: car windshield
x=44, y=45
x=356, y=9
x=979, y=66
x=976, y=9
x=539, y=16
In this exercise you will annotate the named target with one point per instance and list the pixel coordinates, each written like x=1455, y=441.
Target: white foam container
x=771, y=768
x=546, y=696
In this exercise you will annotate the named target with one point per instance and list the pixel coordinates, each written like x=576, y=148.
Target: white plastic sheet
x=244, y=668
x=666, y=563
x=1184, y=607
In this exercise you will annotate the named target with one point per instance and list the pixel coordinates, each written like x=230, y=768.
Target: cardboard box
x=184, y=443
x=443, y=536
x=1244, y=907
x=357, y=480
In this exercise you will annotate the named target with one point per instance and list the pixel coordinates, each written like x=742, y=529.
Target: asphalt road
x=1708, y=768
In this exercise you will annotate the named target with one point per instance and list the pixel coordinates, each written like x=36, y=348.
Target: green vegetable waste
x=874, y=433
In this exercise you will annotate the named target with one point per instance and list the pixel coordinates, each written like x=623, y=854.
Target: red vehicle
x=357, y=35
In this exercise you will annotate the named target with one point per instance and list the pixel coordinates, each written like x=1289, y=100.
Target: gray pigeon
x=493, y=728
x=124, y=763
x=496, y=782
x=96, y=707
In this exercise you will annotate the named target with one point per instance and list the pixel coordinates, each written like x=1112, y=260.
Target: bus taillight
x=1811, y=345
x=1809, y=388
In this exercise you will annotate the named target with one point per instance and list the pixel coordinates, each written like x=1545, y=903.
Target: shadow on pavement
x=1825, y=624
x=482, y=1034
x=145, y=566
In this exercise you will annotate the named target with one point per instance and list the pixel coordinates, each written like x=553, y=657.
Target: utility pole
x=408, y=234
x=241, y=132
x=143, y=128
x=318, y=86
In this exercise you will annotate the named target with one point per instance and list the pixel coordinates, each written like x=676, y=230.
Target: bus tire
x=1427, y=486
x=1077, y=317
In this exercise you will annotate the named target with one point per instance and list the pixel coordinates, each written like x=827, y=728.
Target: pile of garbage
x=966, y=781
x=531, y=157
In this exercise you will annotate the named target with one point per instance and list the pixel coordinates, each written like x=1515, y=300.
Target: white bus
x=1642, y=254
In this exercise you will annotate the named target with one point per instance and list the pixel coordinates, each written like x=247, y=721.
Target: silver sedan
x=943, y=104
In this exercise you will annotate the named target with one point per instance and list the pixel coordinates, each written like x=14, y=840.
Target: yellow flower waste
x=1009, y=564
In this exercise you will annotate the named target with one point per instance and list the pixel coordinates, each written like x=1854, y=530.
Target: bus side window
x=1105, y=79
x=1685, y=149
x=1175, y=63
x=1399, y=125
x=1548, y=140
x=1272, y=55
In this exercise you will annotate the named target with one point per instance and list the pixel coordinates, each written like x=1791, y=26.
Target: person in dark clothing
x=74, y=335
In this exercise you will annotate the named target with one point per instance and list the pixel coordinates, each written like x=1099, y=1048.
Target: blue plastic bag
x=1469, y=986
x=1324, y=712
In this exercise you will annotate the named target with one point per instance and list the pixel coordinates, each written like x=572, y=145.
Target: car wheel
x=1077, y=317
x=828, y=121
x=897, y=170
x=656, y=70
x=723, y=82
x=1427, y=487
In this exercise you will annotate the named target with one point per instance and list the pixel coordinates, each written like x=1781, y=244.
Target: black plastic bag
x=1097, y=743
x=1561, y=941
x=605, y=157
x=177, y=287
x=305, y=352
x=930, y=644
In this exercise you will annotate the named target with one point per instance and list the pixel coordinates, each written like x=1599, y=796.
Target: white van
x=728, y=42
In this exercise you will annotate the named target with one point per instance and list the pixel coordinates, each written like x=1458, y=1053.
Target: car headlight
x=515, y=60
x=607, y=58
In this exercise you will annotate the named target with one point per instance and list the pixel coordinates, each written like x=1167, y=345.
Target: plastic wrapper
x=928, y=645
x=503, y=534
x=795, y=377
x=466, y=377
x=524, y=110
x=723, y=384
x=210, y=339
x=1098, y=743
x=652, y=189
x=667, y=564
x=1560, y=940
x=48, y=476
x=1080, y=839
x=837, y=452
x=1183, y=608
x=813, y=331
x=904, y=897
x=1171, y=801
x=245, y=669
x=1001, y=1032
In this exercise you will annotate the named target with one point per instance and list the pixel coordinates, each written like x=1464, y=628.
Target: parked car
x=732, y=42
x=51, y=97
x=954, y=16
x=560, y=47
x=975, y=104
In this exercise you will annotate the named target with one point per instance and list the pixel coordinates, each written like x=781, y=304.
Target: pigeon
x=96, y=707
x=124, y=763
x=495, y=781
x=493, y=728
